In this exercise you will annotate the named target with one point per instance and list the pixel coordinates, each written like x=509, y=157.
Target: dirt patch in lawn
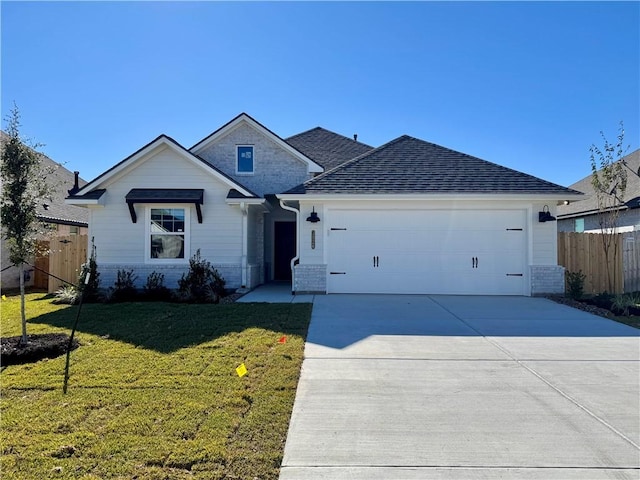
x=47, y=345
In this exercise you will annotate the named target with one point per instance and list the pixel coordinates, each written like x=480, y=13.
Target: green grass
x=153, y=392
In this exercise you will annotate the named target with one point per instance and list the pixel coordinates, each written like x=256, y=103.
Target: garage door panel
x=428, y=251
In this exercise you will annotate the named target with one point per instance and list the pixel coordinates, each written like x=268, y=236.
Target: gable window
x=167, y=233
x=244, y=160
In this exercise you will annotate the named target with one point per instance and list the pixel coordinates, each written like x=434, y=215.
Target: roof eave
x=430, y=196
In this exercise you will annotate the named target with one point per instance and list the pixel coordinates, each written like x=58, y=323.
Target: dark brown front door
x=284, y=249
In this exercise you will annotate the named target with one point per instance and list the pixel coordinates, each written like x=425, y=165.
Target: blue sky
x=525, y=85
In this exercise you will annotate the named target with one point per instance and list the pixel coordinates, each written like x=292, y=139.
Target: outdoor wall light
x=545, y=215
x=313, y=218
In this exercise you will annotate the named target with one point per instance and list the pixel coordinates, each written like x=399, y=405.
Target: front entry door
x=284, y=250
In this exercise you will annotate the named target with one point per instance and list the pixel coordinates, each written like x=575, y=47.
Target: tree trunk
x=24, y=339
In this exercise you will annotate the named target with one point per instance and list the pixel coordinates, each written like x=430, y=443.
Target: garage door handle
x=474, y=262
x=376, y=261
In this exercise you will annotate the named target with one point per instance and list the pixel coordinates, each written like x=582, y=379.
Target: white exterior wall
x=275, y=170
x=121, y=243
x=541, y=238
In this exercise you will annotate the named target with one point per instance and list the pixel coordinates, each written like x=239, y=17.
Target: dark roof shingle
x=327, y=148
x=408, y=165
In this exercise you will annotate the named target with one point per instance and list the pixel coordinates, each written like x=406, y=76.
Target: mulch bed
x=230, y=298
x=47, y=345
x=603, y=312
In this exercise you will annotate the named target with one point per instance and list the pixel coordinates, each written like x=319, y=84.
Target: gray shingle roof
x=590, y=205
x=61, y=180
x=327, y=148
x=409, y=165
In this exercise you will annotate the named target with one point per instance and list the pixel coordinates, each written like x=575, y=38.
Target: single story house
x=326, y=213
x=59, y=218
x=582, y=216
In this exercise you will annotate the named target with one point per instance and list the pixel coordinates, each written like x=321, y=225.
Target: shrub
x=90, y=289
x=622, y=303
x=575, y=284
x=124, y=289
x=202, y=283
x=154, y=290
x=69, y=294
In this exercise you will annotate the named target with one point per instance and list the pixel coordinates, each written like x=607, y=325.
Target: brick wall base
x=310, y=278
x=547, y=279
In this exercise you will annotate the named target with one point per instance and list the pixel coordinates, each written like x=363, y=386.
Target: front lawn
x=153, y=391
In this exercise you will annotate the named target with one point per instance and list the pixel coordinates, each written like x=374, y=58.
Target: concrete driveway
x=451, y=387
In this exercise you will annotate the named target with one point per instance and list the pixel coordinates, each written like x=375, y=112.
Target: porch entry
x=284, y=249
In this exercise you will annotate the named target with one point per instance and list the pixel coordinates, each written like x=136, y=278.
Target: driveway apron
x=454, y=387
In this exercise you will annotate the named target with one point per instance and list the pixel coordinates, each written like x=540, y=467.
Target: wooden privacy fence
x=631, y=261
x=583, y=251
x=66, y=256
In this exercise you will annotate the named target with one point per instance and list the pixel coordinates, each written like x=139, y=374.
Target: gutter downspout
x=244, y=208
x=297, y=257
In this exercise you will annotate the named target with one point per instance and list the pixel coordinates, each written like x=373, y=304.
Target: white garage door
x=479, y=252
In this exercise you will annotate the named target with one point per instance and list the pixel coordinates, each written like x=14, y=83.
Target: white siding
x=119, y=241
x=544, y=237
x=312, y=255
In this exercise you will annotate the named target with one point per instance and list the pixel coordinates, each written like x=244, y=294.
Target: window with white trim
x=244, y=159
x=167, y=234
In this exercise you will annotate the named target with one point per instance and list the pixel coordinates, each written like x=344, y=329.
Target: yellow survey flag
x=4, y=297
x=241, y=370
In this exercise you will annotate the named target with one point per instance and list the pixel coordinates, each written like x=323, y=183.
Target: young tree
x=23, y=187
x=609, y=181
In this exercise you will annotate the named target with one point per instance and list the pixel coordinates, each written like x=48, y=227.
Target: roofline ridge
x=302, y=133
x=331, y=132
x=350, y=162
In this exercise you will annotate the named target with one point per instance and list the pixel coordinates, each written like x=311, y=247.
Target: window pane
x=579, y=225
x=245, y=159
x=167, y=220
x=167, y=246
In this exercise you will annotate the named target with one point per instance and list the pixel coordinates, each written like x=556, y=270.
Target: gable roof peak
x=244, y=117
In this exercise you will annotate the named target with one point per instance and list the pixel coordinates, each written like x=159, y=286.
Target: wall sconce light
x=313, y=218
x=545, y=215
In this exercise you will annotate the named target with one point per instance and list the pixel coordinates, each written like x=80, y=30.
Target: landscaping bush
x=69, y=295
x=124, y=289
x=154, y=290
x=202, y=283
x=575, y=284
x=90, y=289
x=602, y=300
x=623, y=303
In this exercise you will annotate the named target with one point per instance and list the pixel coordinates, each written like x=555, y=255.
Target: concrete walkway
x=275, y=293
x=449, y=387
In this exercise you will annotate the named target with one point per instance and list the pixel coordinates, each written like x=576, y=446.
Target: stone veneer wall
x=310, y=278
x=547, y=279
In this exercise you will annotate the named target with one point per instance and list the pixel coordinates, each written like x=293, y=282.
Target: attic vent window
x=165, y=195
x=244, y=160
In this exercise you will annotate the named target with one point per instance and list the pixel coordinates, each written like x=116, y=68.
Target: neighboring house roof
x=247, y=119
x=408, y=165
x=90, y=190
x=589, y=205
x=61, y=180
x=327, y=148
